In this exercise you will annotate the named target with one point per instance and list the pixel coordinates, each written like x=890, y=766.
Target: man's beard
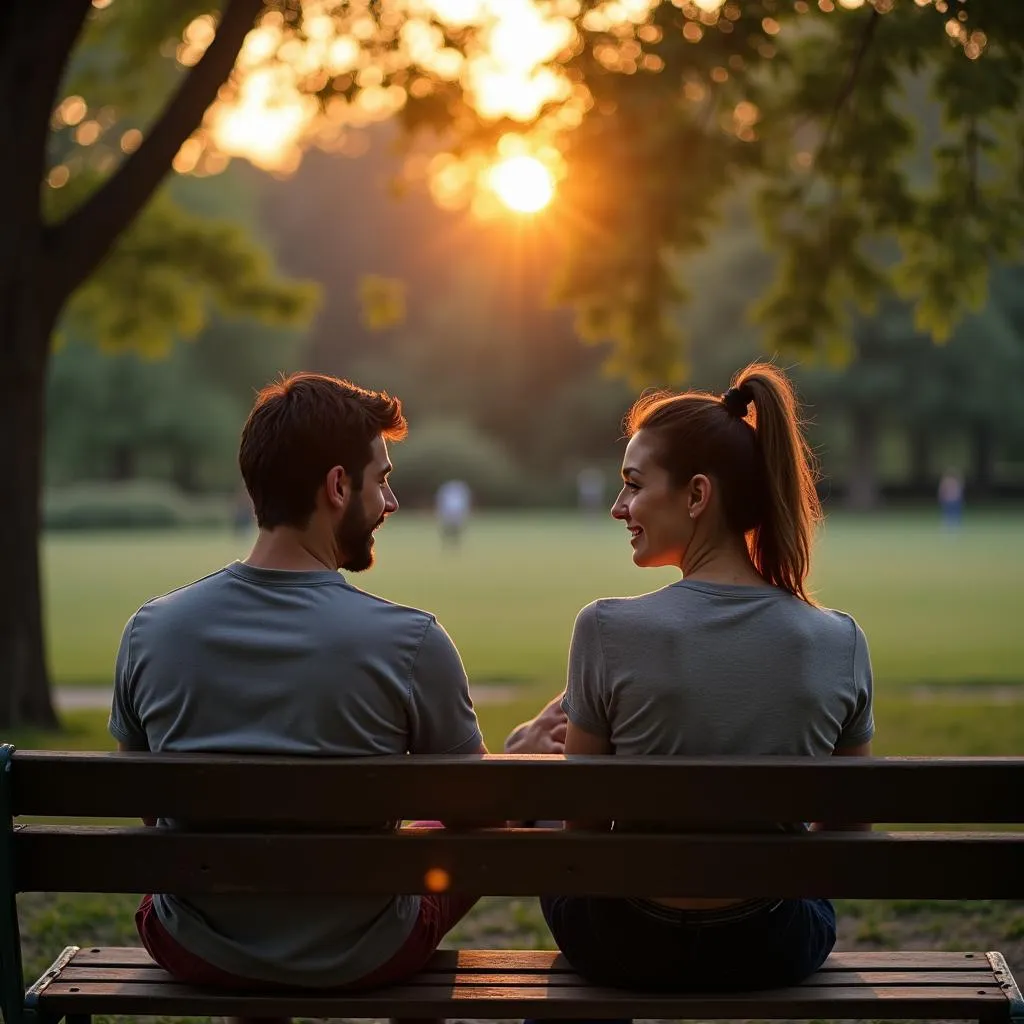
x=354, y=537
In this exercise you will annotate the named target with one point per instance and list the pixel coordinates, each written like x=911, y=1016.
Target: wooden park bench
x=292, y=811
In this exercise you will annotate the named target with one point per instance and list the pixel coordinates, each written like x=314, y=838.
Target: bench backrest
x=279, y=824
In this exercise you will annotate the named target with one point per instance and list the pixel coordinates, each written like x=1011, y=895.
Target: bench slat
x=973, y=865
x=559, y=979
x=708, y=790
x=514, y=1000
x=551, y=960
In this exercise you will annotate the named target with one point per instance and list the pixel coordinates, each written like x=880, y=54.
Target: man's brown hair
x=299, y=429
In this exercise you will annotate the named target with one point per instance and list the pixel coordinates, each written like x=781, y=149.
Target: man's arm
x=859, y=750
x=442, y=719
x=124, y=748
x=482, y=749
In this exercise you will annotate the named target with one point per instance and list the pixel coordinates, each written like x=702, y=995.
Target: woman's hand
x=543, y=734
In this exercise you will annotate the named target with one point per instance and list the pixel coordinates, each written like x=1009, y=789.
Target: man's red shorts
x=438, y=915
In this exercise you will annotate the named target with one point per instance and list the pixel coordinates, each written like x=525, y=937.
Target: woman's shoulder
x=831, y=622
x=612, y=610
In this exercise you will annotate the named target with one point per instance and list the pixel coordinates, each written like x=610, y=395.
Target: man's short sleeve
x=585, y=702
x=442, y=719
x=860, y=726
x=125, y=725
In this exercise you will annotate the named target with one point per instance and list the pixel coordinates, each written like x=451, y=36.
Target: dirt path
x=74, y=698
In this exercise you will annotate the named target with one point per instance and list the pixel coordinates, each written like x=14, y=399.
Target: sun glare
x=522, y=183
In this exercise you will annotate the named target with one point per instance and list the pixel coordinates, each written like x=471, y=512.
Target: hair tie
x=736, y=400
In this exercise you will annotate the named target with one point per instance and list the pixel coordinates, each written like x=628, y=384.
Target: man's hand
x=543, y=734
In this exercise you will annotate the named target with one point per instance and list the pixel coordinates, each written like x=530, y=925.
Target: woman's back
x=701, y=668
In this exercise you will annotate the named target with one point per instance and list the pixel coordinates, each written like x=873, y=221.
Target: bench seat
x=532, y=983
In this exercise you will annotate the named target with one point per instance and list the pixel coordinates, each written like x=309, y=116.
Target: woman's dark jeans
x=636, y=944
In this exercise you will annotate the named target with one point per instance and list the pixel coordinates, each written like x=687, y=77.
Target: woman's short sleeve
x=586, y=701
x=860, y=726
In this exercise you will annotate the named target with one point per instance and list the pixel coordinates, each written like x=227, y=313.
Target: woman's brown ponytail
x=780, y=547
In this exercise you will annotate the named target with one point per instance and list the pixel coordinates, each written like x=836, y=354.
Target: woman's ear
x=698, y=494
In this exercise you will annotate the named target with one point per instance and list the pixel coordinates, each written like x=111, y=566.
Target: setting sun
x=522, y=183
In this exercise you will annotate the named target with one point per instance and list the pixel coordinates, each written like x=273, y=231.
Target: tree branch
x=78, y=244
x=849, y=84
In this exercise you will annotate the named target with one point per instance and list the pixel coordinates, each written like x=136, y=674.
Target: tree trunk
x=40, y=266
x=122, y=463
x=24, y=683
x=862, y=484
x=34, y=42
x=185, y=471
x=920, y=459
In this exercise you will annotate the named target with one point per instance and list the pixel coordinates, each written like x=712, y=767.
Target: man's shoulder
x=198, y=590
x=391, y=612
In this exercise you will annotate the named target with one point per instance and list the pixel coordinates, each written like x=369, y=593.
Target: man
x=280, y=654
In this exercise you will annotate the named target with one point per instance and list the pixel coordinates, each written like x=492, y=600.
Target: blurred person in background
x=951, y=499
x=735, y=658
x=453, y=503
x=590, y=489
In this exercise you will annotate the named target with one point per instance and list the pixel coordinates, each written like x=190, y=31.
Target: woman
x=733, y=659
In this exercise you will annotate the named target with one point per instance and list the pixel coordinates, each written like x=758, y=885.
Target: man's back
x=252, y=660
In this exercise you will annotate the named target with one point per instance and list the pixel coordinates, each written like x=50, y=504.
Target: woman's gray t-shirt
x=715, y=669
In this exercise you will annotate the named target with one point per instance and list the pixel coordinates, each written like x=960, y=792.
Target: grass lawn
x=936, y=608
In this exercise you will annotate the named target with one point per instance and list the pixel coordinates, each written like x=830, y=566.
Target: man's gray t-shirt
x=701, y=669
x=267, y=661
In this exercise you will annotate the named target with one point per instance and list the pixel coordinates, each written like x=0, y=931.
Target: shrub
x=440, y=450
x=131, y=505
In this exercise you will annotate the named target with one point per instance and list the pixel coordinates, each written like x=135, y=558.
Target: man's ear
x=337, y=487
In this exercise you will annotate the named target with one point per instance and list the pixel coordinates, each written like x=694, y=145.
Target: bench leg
x=78, y=1018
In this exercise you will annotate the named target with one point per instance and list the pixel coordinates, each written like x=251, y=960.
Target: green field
x=936, y=608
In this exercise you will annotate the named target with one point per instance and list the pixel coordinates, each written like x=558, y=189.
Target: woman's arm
x=542, y=734
x=577, y=741
x=860, y=750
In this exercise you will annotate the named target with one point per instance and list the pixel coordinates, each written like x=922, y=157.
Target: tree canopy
x=648, y=113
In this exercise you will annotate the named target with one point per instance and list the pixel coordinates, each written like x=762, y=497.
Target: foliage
x=132, y=505
x=383, y=301
x=169, y=271
x=440, y=450
x=124, y=415
x=651, y=115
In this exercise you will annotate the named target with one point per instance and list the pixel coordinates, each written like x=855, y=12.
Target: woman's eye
x=631, y=487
